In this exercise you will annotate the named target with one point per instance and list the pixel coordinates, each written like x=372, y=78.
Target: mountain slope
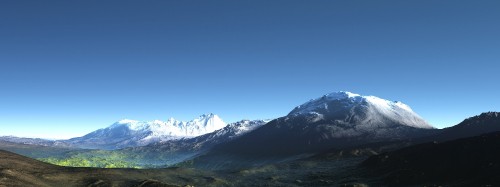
x=484, y=123
x=473, y=161
x=17, y=170
x=171, y=152
x=205, y=141
x=336, y=120
x=130, y=133
x=160, y=154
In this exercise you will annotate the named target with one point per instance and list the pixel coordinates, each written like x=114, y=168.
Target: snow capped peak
x=403, y=106
x=126, y=121
x=343, y=102
x=208, y=115
x=129, y=133
x=204, y=124
x=240, y=127
x=131, y=124
x=345, y=94
x=338, y=95
x=322, y=103
x=157, y=121
x=387, y=104
x=348, y=97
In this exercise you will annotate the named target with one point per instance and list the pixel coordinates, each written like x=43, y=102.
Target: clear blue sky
x=70, y=67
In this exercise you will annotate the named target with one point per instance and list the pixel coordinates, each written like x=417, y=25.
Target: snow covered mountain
x=348, y=115
x=129, y=133
x=335, y=120
x=365, y=110
x=231, y=131
x=170, y=152
x=225, y=134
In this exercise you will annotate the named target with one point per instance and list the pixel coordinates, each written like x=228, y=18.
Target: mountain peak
x=344, y=103
x=344, y=94
x=349, y=97
x=129, y=133
x=208, y=115
x=482, y=118
x=126, y=121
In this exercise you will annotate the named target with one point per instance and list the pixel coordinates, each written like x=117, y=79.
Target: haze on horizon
x=68, y=68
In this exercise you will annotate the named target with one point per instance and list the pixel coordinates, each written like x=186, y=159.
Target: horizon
x=69, y=68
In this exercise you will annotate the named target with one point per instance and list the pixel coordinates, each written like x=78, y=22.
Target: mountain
x=346, y=107
x=165, y=153
x=472, y=161
x=130, y=133
x=336, y=120
x=225, y=134
x=484, y=123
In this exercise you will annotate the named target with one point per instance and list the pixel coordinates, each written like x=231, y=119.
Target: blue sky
x=70, y=67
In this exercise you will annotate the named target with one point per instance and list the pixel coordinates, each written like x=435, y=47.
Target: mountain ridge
x=130, y=133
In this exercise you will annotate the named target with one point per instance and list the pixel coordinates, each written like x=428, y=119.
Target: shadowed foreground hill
x=471, y=161
x=17, y=170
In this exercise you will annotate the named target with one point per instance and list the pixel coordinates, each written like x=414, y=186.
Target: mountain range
x=131, y=133
x=336, y=121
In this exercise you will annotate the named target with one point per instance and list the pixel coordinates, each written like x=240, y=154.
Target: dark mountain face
x=338, y=120
x=467, y=154
x=471, y=161
x=484, y=123
x=298, y=135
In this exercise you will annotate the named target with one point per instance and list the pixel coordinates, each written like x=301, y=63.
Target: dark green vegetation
x=95, y=158
x=126, y=158
x=72, y=157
